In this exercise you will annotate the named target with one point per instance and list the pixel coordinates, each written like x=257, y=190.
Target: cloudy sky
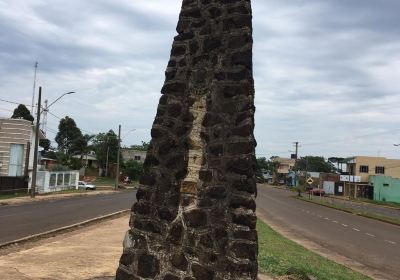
x=327, y=71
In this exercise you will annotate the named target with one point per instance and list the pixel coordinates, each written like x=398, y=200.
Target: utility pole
x=295, y=169
x=34, y=88
x=119, y=147
x=36, y=144
x=108, y=150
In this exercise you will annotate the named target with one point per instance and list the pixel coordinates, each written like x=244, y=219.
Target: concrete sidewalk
x=89, y=253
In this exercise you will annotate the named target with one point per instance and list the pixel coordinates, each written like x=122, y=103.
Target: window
x=363, y=168
x=16, y=160
x=137, y=157
x=379, y=170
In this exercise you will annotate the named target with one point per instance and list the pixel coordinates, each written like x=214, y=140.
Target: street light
x=36, y=143
x=71, y=92
x=46, y=109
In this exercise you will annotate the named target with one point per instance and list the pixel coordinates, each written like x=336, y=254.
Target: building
x=386, y=188
x=329, y=183
x=16, y=156
x=368, y=166
x=132, y=154
x=285, y=165
x=362, y=168
x=88, y=160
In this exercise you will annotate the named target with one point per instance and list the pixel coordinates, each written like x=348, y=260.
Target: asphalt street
x=27, y=219
x=372, y=243
x=366, y=207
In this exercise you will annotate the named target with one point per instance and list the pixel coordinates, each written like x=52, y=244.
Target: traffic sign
x=310, y=181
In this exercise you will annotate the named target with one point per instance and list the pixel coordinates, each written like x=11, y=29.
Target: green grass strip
x=277, y=254
x=375, y=216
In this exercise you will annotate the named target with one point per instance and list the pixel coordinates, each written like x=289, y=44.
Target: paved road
x=369, y=242
x=23, y=220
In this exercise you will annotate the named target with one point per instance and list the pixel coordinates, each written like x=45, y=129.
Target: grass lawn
x=107, y=181
x=104, y=181
x=383, y=203
x=8, y=196
x=277, y=254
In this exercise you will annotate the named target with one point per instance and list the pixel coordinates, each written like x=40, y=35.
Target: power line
x=14, y=102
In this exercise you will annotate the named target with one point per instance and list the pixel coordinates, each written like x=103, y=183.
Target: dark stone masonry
x=194, y=218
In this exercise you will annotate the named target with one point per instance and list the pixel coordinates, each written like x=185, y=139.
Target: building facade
x=363, y=168
x=15, y=139
x=386, y=188
x=369, y=166
x=132, y=154
x=285, y=165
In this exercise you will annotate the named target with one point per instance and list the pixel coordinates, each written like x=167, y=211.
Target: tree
x=21, y=112
x=69, y=137
x=143, y=147
x=133, y=169
x=315, y=164
x=270, y=165
x=103, y=144
x=45, y=144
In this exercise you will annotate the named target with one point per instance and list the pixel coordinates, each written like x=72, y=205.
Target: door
x=16, y=160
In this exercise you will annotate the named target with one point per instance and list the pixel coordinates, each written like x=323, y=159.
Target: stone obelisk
x=195, y=212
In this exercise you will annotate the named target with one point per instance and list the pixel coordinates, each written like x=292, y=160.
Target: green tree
x=315, y=164
x=270, y=165
x=45, y=144
x=133, y=169
x=103, y=144
x=261, y=165
x=21, y=112
x=69, y=137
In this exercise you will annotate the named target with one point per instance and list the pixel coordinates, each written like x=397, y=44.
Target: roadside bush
x=133, y=169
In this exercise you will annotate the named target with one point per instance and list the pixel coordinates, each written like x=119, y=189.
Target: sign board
x=350, y=178
x=310, y=181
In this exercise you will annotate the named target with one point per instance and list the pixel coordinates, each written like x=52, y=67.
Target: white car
x=85, y=186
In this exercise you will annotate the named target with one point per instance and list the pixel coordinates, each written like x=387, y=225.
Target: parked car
x=317, y=191
x=85, y=186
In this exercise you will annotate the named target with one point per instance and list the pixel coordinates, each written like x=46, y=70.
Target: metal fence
x=11, y=185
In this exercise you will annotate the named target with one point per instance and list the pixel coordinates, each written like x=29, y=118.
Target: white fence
x=47, y=181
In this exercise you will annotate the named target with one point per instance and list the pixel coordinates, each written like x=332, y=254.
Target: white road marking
x=356, y=229
x=319, y=216
x=391, y=242
x=344, y=225
x=327, y=219
x=335, y=222
x=369, y=234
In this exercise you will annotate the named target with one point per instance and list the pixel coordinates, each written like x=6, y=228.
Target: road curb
x=349, y=211
x=63, y=229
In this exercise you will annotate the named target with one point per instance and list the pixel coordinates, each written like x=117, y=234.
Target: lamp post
x=36, y=142
x=46, y=109
x=36, y=147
